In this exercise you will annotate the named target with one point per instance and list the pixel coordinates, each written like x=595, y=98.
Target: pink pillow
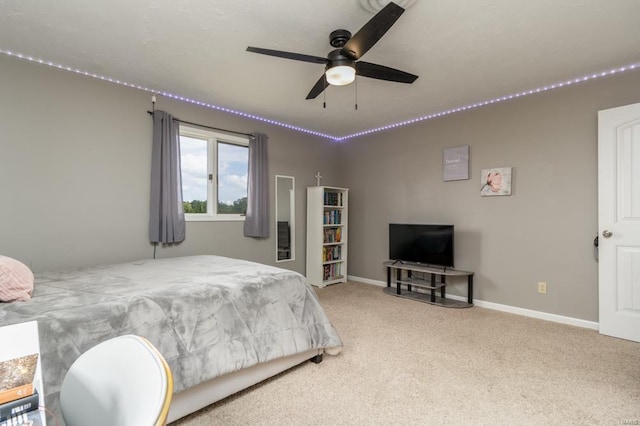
x=16, y=280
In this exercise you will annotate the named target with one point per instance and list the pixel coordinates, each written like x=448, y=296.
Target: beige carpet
x=410, y=363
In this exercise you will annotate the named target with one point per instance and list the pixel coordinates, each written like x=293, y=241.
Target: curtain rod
x=251, y=135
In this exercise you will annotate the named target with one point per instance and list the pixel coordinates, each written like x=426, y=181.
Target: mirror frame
x=292, y=218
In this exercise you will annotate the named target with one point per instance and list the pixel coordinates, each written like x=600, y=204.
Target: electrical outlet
x=542, y=287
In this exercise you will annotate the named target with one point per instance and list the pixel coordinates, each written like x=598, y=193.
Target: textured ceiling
x=464, y=51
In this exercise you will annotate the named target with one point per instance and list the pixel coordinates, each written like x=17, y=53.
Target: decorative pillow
x=16, y=280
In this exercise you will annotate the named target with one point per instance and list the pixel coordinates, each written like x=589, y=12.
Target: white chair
x=122, y=381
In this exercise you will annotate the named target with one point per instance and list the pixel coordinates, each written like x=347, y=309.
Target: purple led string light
x=493, y=101
x=324, y=135
x=166, y=94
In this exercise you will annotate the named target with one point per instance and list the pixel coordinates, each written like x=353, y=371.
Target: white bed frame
x=193, y=399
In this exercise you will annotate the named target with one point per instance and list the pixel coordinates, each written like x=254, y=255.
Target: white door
x=619, y=221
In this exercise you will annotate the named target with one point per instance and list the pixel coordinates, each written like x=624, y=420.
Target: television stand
x=404, y=276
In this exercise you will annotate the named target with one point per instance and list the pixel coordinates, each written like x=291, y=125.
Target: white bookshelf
x=327, y=235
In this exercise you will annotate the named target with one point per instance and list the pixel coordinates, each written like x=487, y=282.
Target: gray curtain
x=256, y=223
x=166, y=217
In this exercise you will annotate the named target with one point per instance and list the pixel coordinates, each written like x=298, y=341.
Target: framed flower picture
x=496, y=181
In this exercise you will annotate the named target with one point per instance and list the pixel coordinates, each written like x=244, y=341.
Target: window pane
x=193, y=154
x=233, y=167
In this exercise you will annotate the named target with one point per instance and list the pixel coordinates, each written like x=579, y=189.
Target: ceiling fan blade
x=367, y=69
x=372, y=31
x=288, y=55
x=318, y=88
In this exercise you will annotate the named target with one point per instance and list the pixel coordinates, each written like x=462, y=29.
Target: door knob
x=606, y=233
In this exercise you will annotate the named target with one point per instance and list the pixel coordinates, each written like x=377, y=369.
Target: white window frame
x=212, y=138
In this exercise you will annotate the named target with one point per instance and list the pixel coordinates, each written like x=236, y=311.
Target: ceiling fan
x=342, y=64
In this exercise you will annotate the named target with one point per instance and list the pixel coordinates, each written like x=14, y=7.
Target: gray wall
x=74, y=184
x=543, y=232
x=74, y=172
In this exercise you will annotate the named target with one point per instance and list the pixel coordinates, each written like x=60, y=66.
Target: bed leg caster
x=316, y=359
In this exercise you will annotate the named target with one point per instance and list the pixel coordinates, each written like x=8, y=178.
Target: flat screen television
x=421, y=243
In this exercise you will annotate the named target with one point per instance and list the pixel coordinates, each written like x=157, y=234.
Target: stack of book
x=332, y=217
x=332, y=235
x=333, y=198
x=331, y=253
x=18, y=396
x=331, y=271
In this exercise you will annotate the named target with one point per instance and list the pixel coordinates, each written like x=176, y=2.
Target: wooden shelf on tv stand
x=404, y=277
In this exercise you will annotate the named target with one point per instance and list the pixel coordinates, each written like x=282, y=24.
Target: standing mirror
x=285, y=218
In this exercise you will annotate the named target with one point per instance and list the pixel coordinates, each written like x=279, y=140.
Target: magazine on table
x=21, y=389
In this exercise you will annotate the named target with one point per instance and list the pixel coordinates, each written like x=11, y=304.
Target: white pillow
x=16, y=280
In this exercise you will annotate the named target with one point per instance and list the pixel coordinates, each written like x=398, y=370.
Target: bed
x=222, y=324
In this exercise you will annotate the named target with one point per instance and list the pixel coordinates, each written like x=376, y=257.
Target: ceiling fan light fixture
x=340, y=75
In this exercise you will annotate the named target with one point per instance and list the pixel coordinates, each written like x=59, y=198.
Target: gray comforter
x=208, y=315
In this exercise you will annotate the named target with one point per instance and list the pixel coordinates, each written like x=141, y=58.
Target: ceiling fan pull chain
x=356, y=85
x=324, y=93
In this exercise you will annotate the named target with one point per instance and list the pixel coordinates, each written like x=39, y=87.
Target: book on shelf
x=331, y=253
x=333, y=235
x=11, y=409
x=333, y=198
x=16, y=377
x=332, y=217
x=331, y=271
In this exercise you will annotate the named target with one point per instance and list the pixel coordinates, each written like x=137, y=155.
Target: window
x=214, y=174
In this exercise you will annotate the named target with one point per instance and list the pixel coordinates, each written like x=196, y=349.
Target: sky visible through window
x=232, y=170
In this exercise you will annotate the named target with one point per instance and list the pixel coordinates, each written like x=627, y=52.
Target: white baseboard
x=503, y=308
x=367, y=281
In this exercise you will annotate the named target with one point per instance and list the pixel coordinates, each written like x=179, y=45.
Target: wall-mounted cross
x=318, y=176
